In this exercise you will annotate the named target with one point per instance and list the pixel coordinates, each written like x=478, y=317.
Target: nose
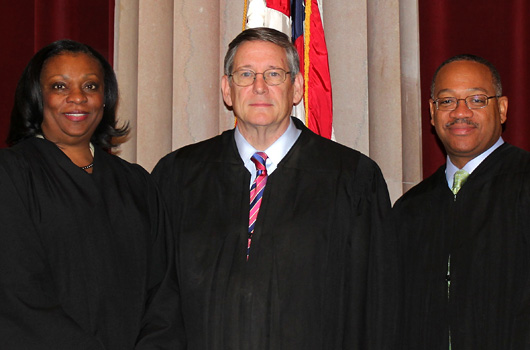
x=260, y=86
x=77, y=95
x=461, y=110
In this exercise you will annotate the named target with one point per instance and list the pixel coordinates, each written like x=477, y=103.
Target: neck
x=262, y=137
x=79, y=154
x=459, y=162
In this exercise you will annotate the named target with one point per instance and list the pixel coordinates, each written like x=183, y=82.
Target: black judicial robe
x=486, y=232
x=79, y=253
x=318, y=263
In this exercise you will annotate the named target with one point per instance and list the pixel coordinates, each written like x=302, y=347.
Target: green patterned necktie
x=459, y=179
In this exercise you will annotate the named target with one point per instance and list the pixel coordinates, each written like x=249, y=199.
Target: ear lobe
x=226, y=91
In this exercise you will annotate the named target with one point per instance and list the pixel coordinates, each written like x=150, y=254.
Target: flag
x=300, y=19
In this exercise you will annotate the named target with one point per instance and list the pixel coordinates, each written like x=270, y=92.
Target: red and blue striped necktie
x=256, y=193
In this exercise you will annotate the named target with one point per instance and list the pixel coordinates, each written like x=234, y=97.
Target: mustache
x=461, y=121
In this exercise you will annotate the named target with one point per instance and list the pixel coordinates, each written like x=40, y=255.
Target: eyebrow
x=68, y=77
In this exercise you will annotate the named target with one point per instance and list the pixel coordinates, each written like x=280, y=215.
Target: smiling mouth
x=78, y=116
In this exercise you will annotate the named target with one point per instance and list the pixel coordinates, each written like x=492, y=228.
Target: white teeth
x=76, y=114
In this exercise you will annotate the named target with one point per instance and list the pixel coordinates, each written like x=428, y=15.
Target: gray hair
x=268, y=35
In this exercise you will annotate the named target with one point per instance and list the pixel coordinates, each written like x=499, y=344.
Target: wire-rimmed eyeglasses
x=246, y=77
x=472, y=102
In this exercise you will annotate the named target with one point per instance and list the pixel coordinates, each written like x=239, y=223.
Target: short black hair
x=473, y=58
x=27, y=112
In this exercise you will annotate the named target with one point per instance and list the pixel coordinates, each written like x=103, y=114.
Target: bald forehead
x=464, y=75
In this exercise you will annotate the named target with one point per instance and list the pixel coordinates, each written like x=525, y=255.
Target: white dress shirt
x=451, y=169
x=275, y=152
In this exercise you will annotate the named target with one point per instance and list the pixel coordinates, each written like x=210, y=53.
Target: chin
x=260, y=120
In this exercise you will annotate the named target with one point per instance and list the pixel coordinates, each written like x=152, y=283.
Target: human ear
x=226, y=90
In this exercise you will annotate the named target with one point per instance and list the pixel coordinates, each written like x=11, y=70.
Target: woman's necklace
x=91, y=147
x=87, y=166
x=91, y=164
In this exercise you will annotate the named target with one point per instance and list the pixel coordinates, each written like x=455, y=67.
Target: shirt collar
x=275, y=152
x=451, y=169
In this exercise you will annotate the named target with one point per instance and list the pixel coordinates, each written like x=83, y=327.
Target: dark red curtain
x=496, y=30
x=28, y=25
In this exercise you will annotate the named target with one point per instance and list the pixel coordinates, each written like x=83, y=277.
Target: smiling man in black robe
x=464, y=239
x=311, y=272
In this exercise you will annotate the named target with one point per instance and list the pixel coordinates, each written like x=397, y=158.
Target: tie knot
x=459, y=180
x=259, y=159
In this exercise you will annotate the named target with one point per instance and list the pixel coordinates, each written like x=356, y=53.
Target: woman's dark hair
x=27, y=113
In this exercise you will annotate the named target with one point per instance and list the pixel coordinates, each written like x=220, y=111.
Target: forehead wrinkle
x=251, y=67
x=469, y=90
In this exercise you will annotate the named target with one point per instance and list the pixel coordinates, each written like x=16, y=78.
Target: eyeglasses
x=246, y=77
x=472, y=102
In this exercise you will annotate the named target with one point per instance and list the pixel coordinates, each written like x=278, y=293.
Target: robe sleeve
x=31, y=316
x=164, y=175
x=162, y=325
x=372, y=249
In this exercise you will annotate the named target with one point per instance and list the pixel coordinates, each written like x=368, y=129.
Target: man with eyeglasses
x=313, y=270
x=464, y=232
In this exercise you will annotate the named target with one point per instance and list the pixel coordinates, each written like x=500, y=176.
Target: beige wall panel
x=155, y=80
x=410, y=93
x=231, y=25
x=346, y=38
x=196, y=72
x=384, y=88
x=126, y=67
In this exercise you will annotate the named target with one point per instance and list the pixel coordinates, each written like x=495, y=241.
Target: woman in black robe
x=82, y=232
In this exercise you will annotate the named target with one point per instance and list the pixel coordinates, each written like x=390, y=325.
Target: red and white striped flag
x=300, y=19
